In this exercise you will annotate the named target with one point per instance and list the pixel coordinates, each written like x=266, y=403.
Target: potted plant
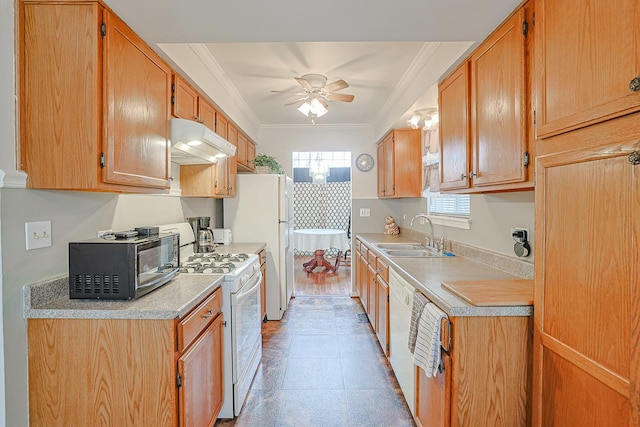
x=265, y=163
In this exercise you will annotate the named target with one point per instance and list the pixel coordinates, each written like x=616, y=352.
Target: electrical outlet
x=365, y=212
x=37, y=234
x=103, y=232
x=514, y=230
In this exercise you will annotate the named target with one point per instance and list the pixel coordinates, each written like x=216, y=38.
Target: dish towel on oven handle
x=427, y=352
x=419, y=301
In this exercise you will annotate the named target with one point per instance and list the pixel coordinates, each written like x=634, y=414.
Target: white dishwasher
x=400, y=306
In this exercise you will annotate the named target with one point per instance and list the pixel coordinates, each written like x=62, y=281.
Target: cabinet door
x=60, y=147
x=433, y=396
x=380, y=169
x=454, y=129
x=138, y=99
x=185, y=99
x=242, y=150
x=222, y=125
x=499, y=107
x=206, y=114
x=382, y=314
x=587, y=53
x=201, y=369
x=251, y=155
x=389, y=166
x=372, y=291
x=232, y=168
x=587, y=299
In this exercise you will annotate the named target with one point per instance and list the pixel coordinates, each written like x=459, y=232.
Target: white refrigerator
x=262, y=211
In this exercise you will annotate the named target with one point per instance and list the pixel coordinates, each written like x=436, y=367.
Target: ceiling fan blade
x=305, y=84
x=324, y=103
x=340, y=97
x=295, y=102
x=336, y=86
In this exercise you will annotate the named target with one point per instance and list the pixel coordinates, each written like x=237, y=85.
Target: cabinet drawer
x=371, y=259
x=357, y=245
x=196, y=321
x=382, y=269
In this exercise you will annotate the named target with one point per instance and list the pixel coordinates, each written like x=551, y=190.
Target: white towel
x=419, y=302
x=427, y=352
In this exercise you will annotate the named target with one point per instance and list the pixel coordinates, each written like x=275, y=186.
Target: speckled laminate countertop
x=50, y=298
x=426, y=275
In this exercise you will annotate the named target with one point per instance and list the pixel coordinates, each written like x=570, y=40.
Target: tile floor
x=320, y=367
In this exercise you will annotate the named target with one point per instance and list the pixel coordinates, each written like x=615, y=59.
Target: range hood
x=193, y=143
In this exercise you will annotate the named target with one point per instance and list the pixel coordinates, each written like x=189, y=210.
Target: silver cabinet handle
x=634, y=84
x=472, y=174
x=462, y=176
x=208, y=314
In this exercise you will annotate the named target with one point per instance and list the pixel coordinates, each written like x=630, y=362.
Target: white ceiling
x=391, y=53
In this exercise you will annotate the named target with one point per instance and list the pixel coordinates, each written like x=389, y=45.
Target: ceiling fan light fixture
x=305, y=108
x=413, y=121
x=317, y=108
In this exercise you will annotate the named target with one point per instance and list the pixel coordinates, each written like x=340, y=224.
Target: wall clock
x=364, y=162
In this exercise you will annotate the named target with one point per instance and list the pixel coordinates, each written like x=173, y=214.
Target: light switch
x=365, y=212
x=37, y=234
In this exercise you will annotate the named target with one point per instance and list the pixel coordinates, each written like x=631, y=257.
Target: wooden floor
x=321, y=282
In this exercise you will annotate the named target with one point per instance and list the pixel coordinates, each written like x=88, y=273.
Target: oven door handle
x=253, y=284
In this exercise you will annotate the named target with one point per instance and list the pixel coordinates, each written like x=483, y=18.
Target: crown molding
x=204, y=54
x=359, y=126
x=13, y=179
x=427, y=50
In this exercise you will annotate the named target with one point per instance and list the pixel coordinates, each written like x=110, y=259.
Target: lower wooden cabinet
x=121, y=372
x=372, y=278
x=433, y=396
x=200, y=368
x=485, y=378
x=263, y=286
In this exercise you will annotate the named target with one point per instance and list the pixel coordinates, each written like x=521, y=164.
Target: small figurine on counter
x=390, y=226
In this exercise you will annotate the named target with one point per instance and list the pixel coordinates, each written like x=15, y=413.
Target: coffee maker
x=202, y=233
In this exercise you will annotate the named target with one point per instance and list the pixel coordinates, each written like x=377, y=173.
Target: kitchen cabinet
x=382, y=305
x=246, y=153
x=223, y=173
x=486, y=374
x=587, y=277
x=372, y=278
x=400, y=164
x=484, y=113
x=433, y=396
x=82, y=73
x=263, y=286
x=588, y=63
x=160, y=372
x=453, y=96
x=232, y=163
x=189, y=105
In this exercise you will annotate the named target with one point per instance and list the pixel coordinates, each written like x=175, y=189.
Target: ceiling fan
x=317, y=92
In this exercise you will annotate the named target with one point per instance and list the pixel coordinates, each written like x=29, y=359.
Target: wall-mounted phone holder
x=521, y=247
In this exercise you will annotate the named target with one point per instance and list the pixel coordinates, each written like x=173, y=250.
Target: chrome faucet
x=430, y=242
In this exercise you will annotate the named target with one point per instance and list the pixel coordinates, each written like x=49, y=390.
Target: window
x=449, y=205
x=451, y=210
x=321, y=167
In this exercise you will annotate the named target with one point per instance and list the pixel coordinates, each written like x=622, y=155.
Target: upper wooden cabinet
x=82, y=74
x=587, y=60
x=400, y=164
x=453, y=96
x=484, y=114
x=188, y=104
x=246, y=153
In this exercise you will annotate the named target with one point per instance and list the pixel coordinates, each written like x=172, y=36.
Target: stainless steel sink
x=413, y=253
x=402, y=246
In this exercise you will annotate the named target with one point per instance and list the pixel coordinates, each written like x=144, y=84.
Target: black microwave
x=120, y=269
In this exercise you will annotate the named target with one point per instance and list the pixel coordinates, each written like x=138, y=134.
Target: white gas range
x=240, y=308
